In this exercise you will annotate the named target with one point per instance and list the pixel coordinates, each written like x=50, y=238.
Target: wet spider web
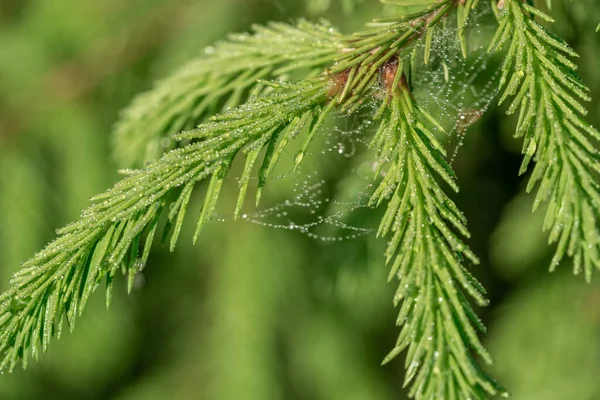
x=455, y=90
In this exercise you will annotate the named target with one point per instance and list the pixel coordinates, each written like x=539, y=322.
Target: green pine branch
x=232, y=71
x=548, y=94
x=427, y=253
x=117, y=231
x=224, y=77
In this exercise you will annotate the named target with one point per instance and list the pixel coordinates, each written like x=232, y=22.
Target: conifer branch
x=227, y=75
x=427, y=253
x=548, y=94
x=426, y=246
x=232, y=71
x=116, y=232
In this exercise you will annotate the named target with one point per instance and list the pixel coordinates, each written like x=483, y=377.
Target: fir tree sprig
x=548, y=94
x=233, y=70
x=427, y=252
x=116, y=232
x=224, y=77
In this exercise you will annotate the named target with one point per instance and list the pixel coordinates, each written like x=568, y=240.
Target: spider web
x=455, y=90
x=458, y=91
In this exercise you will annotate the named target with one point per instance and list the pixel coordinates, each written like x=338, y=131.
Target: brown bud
x=388, y=75
x=337, y=82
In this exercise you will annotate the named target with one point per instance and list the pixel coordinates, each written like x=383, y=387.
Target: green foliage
x=116, y=233
x=252, y=95
x=231, y=71
x=222, y=78
x=548, y=93
x=463, y=10
x=437, y=320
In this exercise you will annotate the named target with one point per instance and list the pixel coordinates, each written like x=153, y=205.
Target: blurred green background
x=254, y=312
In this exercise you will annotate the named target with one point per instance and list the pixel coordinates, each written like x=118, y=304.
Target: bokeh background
x=254, y=312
